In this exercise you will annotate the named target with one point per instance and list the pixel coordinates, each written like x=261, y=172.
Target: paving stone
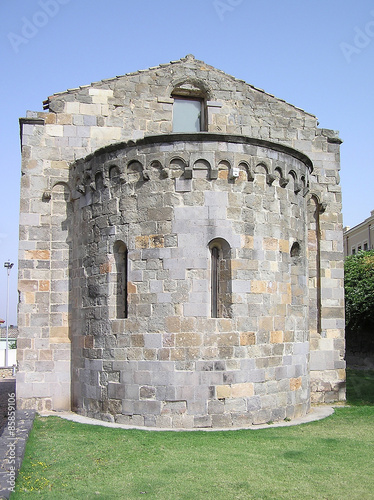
x=13, y=438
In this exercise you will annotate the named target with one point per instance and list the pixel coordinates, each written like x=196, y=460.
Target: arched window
x=189, y=108
x=295, y=249
x=214, y=281
x=120, y=282
x=220, y=282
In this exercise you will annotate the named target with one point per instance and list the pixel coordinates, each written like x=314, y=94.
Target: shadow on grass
x=360, y=387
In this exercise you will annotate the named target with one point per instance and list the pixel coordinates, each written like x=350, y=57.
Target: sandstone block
x=247, y=338
x=276, y=337
x=223, y=391
x=242, y=390
x=59, y=334
x=295, y=384
x=188, y=339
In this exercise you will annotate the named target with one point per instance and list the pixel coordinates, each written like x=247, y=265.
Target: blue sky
x=316, y=55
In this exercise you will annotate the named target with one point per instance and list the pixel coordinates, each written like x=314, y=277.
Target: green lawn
x=330, y=459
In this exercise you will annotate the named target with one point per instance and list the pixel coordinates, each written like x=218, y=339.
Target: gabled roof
x=188, y=59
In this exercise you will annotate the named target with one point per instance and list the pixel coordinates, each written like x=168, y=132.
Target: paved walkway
x=15, y=426
x=316, y=413
x=12, y=449
x=7, y=386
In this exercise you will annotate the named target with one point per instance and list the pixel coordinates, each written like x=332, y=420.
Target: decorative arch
x=314, y=264
x=60, y=252
x=202, y=164
x=293, y=175
x=190, y=87
x=99, y=181
x=179, y=166
x=243, y=165
x=262, y=167
x=79, y=185
x=134, y=171
x=223, y=168
x=114, y=175
x=296, y=184
x=66, y=188
x=157, y=167
x=278, y=171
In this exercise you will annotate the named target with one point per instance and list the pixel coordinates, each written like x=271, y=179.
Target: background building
x=12, y=343
x=360, y=237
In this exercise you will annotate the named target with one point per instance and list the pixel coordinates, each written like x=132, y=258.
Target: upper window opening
x=189, y=107
x=295, y=249
x=187, y=115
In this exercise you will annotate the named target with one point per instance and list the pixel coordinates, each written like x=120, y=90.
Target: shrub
x=359, y=301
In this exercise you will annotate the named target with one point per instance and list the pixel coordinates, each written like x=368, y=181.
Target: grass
x=330, y=459
x=360, y=387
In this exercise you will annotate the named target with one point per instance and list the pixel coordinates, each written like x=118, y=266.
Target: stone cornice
x=204, y=137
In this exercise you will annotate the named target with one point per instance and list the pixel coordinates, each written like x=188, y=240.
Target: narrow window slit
x=121, y=271
x=220, y=279
x=215, y=281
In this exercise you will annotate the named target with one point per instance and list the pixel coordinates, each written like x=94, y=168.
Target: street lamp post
x=8, y=265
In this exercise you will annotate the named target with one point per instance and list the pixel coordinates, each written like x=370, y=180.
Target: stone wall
x=169, y=363
x=100, y=169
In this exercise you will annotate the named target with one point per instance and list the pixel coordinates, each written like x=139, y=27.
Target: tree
x=359, y=301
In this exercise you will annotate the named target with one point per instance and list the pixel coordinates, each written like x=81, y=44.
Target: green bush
x=359, y=301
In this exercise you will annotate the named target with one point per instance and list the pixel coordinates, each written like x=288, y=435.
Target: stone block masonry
x=179, y=280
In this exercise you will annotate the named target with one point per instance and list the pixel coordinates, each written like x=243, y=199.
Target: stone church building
x=181, y=255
